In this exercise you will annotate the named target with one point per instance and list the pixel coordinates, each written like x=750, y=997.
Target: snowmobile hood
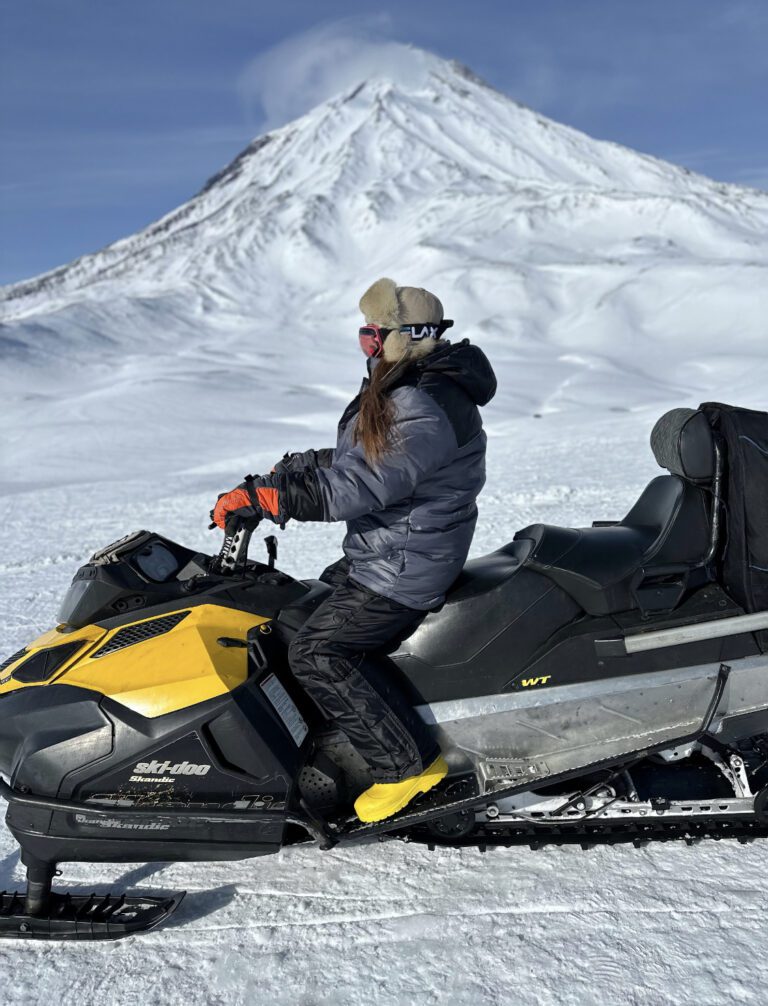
x=465, y=364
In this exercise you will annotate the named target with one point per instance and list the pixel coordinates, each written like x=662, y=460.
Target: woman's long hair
x=374, y=427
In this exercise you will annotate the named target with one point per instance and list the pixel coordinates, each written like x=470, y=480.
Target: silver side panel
x=549, y=730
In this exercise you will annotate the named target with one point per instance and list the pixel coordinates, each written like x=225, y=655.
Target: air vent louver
x=12, y=660
x=140, y=632
x=44, y=664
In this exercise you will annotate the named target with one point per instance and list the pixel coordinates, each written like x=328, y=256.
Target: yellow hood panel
x=53, y=637
x=172, y=670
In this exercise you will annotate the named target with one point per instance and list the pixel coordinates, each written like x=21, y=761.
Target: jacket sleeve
x=350, y=487
x=296, y=461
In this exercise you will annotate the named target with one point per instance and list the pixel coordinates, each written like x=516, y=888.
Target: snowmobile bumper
x=30, y=820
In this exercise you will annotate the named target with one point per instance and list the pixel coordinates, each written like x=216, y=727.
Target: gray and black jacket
x=411, y=516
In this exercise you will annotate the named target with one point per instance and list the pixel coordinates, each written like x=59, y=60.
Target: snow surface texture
x=139, y=382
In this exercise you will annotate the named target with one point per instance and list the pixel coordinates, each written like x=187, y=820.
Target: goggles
x=372, y=336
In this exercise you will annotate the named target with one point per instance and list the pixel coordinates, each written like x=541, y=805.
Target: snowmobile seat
x=495, y=617
x=648, y=559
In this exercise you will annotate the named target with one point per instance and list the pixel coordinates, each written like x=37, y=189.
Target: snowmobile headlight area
x=42, y=664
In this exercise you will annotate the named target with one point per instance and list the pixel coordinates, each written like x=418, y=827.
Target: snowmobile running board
x=463, y=794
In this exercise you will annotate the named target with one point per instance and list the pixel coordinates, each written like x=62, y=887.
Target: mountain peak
x=420, y=151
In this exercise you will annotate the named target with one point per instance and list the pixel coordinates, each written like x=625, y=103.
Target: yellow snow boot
x=384, y=799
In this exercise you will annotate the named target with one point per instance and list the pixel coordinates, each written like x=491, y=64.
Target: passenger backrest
x=660, y=549
x=682, y=443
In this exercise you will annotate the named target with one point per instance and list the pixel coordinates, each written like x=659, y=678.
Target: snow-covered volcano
x=594, y=277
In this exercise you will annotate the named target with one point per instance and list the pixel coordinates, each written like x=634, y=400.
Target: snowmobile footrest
x=84, y=916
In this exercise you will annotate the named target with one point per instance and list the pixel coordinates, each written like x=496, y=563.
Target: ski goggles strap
x=422, y=331
x=372, y=336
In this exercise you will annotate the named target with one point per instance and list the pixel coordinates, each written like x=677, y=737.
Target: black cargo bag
x=744, y=551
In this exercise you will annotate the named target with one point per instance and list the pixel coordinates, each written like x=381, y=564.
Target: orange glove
x=238, y=499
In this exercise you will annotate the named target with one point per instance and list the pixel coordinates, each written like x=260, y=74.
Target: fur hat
x=386, y=304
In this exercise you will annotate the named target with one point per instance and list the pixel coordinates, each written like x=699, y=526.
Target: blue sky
x=112, y=112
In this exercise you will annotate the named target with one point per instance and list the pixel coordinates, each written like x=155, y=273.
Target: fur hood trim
x=397, y=346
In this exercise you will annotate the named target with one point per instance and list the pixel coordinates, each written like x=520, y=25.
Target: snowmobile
x=586, y=685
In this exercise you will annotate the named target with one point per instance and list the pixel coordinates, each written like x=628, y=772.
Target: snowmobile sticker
x=110, y=822
x=286, y=709
x=169, y=768
x=258, y=802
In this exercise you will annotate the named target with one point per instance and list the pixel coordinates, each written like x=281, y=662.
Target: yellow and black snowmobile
x=602, y=684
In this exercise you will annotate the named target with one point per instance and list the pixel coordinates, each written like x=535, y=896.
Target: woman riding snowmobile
x=405, y=474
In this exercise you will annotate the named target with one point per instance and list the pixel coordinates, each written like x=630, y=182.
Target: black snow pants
x=332, y=658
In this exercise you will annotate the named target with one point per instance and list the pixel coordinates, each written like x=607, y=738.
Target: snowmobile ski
x=67, y=916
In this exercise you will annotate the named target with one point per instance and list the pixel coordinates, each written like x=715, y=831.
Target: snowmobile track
x=589, y=835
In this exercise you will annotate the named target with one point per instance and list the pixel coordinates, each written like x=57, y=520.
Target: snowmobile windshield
x=74, y=602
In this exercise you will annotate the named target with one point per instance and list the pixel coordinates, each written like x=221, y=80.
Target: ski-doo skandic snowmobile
x=601, y=684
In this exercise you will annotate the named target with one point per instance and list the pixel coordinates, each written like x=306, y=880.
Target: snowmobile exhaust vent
x=140, y=632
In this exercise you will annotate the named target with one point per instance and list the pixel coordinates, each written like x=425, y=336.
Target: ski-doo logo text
x=530, y=682
x=168, y=768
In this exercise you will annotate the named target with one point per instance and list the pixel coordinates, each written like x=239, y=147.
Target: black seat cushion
x=495, y=617
x=669, y=526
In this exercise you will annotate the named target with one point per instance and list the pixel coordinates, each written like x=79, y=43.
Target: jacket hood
x=465, y=364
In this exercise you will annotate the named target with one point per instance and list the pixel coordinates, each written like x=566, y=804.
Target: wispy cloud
x=304, y=70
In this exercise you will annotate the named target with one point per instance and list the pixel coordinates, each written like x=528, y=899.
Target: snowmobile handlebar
x=233, y=553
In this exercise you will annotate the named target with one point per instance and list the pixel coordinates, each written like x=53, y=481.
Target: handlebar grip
x=233, y=554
